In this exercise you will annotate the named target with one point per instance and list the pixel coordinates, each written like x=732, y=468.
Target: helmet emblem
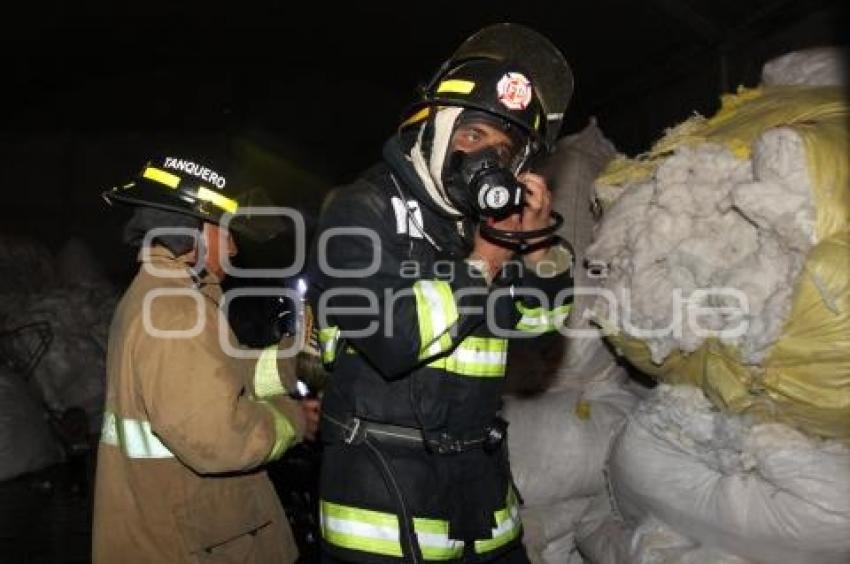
x=514, y=91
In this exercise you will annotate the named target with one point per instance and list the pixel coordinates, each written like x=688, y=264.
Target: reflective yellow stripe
x=161, y=176
x=217, y=199
x=539, y=320
x=328, y=339
x=417, y=117
x=172, y=181
x=283, y=431
x=456, y=86
x=360, y=529
x=480, y=357
x=266, y=377
x=437, y=313
x=378, y=533
x=134, y=437
x=508, y=526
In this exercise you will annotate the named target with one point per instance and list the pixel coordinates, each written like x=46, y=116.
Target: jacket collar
x=448, y=232
x=162, y=258
x=396, y=157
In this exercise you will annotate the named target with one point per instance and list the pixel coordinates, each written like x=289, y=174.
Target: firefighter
x=189, y=422
x=420, y=269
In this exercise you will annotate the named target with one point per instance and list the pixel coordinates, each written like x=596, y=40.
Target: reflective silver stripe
x=134, y=438
x=266, y=377
x=109, y=432
x=477, y=357
x=360, y=529
x=437, y=313
x=539, y=320
x=434, y=540
x=378, y=533
x=491, y=358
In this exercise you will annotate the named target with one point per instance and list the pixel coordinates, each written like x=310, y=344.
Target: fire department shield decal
x=514, y=91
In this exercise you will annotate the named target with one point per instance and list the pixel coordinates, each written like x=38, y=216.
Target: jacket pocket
x=214, y=521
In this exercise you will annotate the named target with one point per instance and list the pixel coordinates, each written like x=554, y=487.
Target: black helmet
x=507, y=70
x=192, y=187
x=500, y=88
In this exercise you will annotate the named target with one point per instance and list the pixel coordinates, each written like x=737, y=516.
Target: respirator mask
x=480, y=185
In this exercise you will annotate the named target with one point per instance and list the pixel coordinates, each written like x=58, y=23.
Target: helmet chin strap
x=520, y=239
x=198, y=271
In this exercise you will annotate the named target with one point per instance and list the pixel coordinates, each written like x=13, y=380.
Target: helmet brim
x=258, y=228
x=549, y=70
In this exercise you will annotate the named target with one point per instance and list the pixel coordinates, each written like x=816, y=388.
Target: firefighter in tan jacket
x=189, y=422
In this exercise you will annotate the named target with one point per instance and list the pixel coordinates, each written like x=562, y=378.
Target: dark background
x=301, y=97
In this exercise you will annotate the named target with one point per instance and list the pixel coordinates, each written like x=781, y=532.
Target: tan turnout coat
x=187, y=429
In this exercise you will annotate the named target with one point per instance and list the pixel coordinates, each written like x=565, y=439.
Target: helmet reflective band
x=501, y=89
x=189, y=187
x=159, y=175
x=227, y=204
x=202, y=192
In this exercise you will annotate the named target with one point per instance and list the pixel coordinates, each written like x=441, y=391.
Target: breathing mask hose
x=521, y=238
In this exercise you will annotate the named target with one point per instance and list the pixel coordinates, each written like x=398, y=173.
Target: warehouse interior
x=301, y=99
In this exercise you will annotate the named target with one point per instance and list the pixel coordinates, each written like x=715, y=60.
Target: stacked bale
x=742, y=455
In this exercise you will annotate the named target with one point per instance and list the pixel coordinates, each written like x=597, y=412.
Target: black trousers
x=515, y=556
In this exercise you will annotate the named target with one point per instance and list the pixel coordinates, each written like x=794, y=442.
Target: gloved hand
x=312, y=409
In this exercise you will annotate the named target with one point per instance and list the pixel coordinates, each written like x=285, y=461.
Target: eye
x=471, y=136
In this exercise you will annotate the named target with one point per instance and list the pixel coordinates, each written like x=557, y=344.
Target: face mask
x=481, y=186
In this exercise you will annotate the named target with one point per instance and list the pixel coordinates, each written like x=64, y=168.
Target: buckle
x=445, y=444
x=494, y=435
x=351, y=433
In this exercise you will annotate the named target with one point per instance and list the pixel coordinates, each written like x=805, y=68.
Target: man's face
x=475, y=136
x=217, y=242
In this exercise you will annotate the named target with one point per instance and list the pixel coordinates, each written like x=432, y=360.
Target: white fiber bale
x=570, y=363
x=601, y=536
x=762, y=492
x=655, y=543
x=549, y=531
x=572, y=168
x=694, y=235
x=577, y=161
x=558, y=441
x=819, y=66
x=26, y=443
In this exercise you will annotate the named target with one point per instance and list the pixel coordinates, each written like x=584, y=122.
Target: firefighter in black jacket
x=416, y=292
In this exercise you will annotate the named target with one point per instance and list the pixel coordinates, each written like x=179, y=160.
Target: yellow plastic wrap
x=805, y=379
